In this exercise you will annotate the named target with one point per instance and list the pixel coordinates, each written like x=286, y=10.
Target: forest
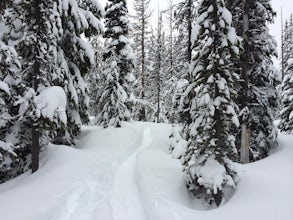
x=203, y=74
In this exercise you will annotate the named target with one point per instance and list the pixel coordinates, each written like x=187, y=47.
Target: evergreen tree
x=11, y=154
x=141, y=33
x=157, y=70
x=209, y=99
x=286, y=115
x=31, y=29
x=41, y=31
x=115, y=105
x=287, y=42
x=258, y=103
x=93, y=79
x=184, y=15
x=75, y=59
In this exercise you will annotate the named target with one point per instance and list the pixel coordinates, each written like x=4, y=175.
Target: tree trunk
x=244, y=150
x=35, y=147
x=143, y=111
x=35, y=122
x=282, y=46
x=189, y=30
x=171, y=38
x=159, y=67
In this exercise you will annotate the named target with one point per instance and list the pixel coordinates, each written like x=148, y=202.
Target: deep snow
x=127, y=174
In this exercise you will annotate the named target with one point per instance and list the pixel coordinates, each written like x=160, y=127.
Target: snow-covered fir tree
x=184, y=14
x=210, y=102
x=157, y=73
x=76, y=58
x=93, y=79
x=31, y=30
x=114, y=103
x=286, y=112
x=287, y=43
x=51, y=54
x=140, y=35
x=11, y=154
x=260, y=101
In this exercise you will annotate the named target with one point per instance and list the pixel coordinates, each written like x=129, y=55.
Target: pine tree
x=141, y=34
x=257, y=107
x=93, y=79
x=286, y=115
x=184, y=15
x=287, y=42
x=40, y=31
x=114, y=102
x=173, y=64
x=75, y=59
x=158, y=72
x=210, y=101
x=31, y=29
x=11, y=154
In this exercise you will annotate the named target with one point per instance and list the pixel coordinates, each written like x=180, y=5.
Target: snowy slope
x=127, y=174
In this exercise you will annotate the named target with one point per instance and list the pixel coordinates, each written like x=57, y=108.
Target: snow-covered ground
x=127, y=174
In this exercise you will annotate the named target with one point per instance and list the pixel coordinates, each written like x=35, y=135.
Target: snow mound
x=52, y=103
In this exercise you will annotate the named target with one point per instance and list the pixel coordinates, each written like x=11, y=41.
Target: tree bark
x=36, y=68
x=159, y=67
x=244, y=151
x=143, y=111
x=189, y=30
x=245, y=136
x=35, y=147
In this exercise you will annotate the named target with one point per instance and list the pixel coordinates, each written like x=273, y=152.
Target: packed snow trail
x=109, y=191
x=127, y=202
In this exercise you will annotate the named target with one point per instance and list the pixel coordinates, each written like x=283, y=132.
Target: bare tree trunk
x=159, y=60
x=143, y=111
x=35, y=122
x=189, y=30
x=244, y=150
x=35, y=147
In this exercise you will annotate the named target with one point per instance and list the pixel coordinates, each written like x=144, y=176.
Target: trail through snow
x=127, y=174
x=108, y=192
x=128, y=202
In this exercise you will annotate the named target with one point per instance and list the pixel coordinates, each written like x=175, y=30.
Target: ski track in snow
x=128, y=203
x=107, y=192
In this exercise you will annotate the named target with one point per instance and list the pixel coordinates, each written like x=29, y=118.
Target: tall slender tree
x=210, y=101
x=141, y=34
x=286, y=115
x=11, y=154
x=115, y=104
x=31, y=30
x=258, y=103
x=184, y=15
x=75, y=59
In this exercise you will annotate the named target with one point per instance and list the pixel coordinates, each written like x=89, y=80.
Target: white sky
x=275, y=29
